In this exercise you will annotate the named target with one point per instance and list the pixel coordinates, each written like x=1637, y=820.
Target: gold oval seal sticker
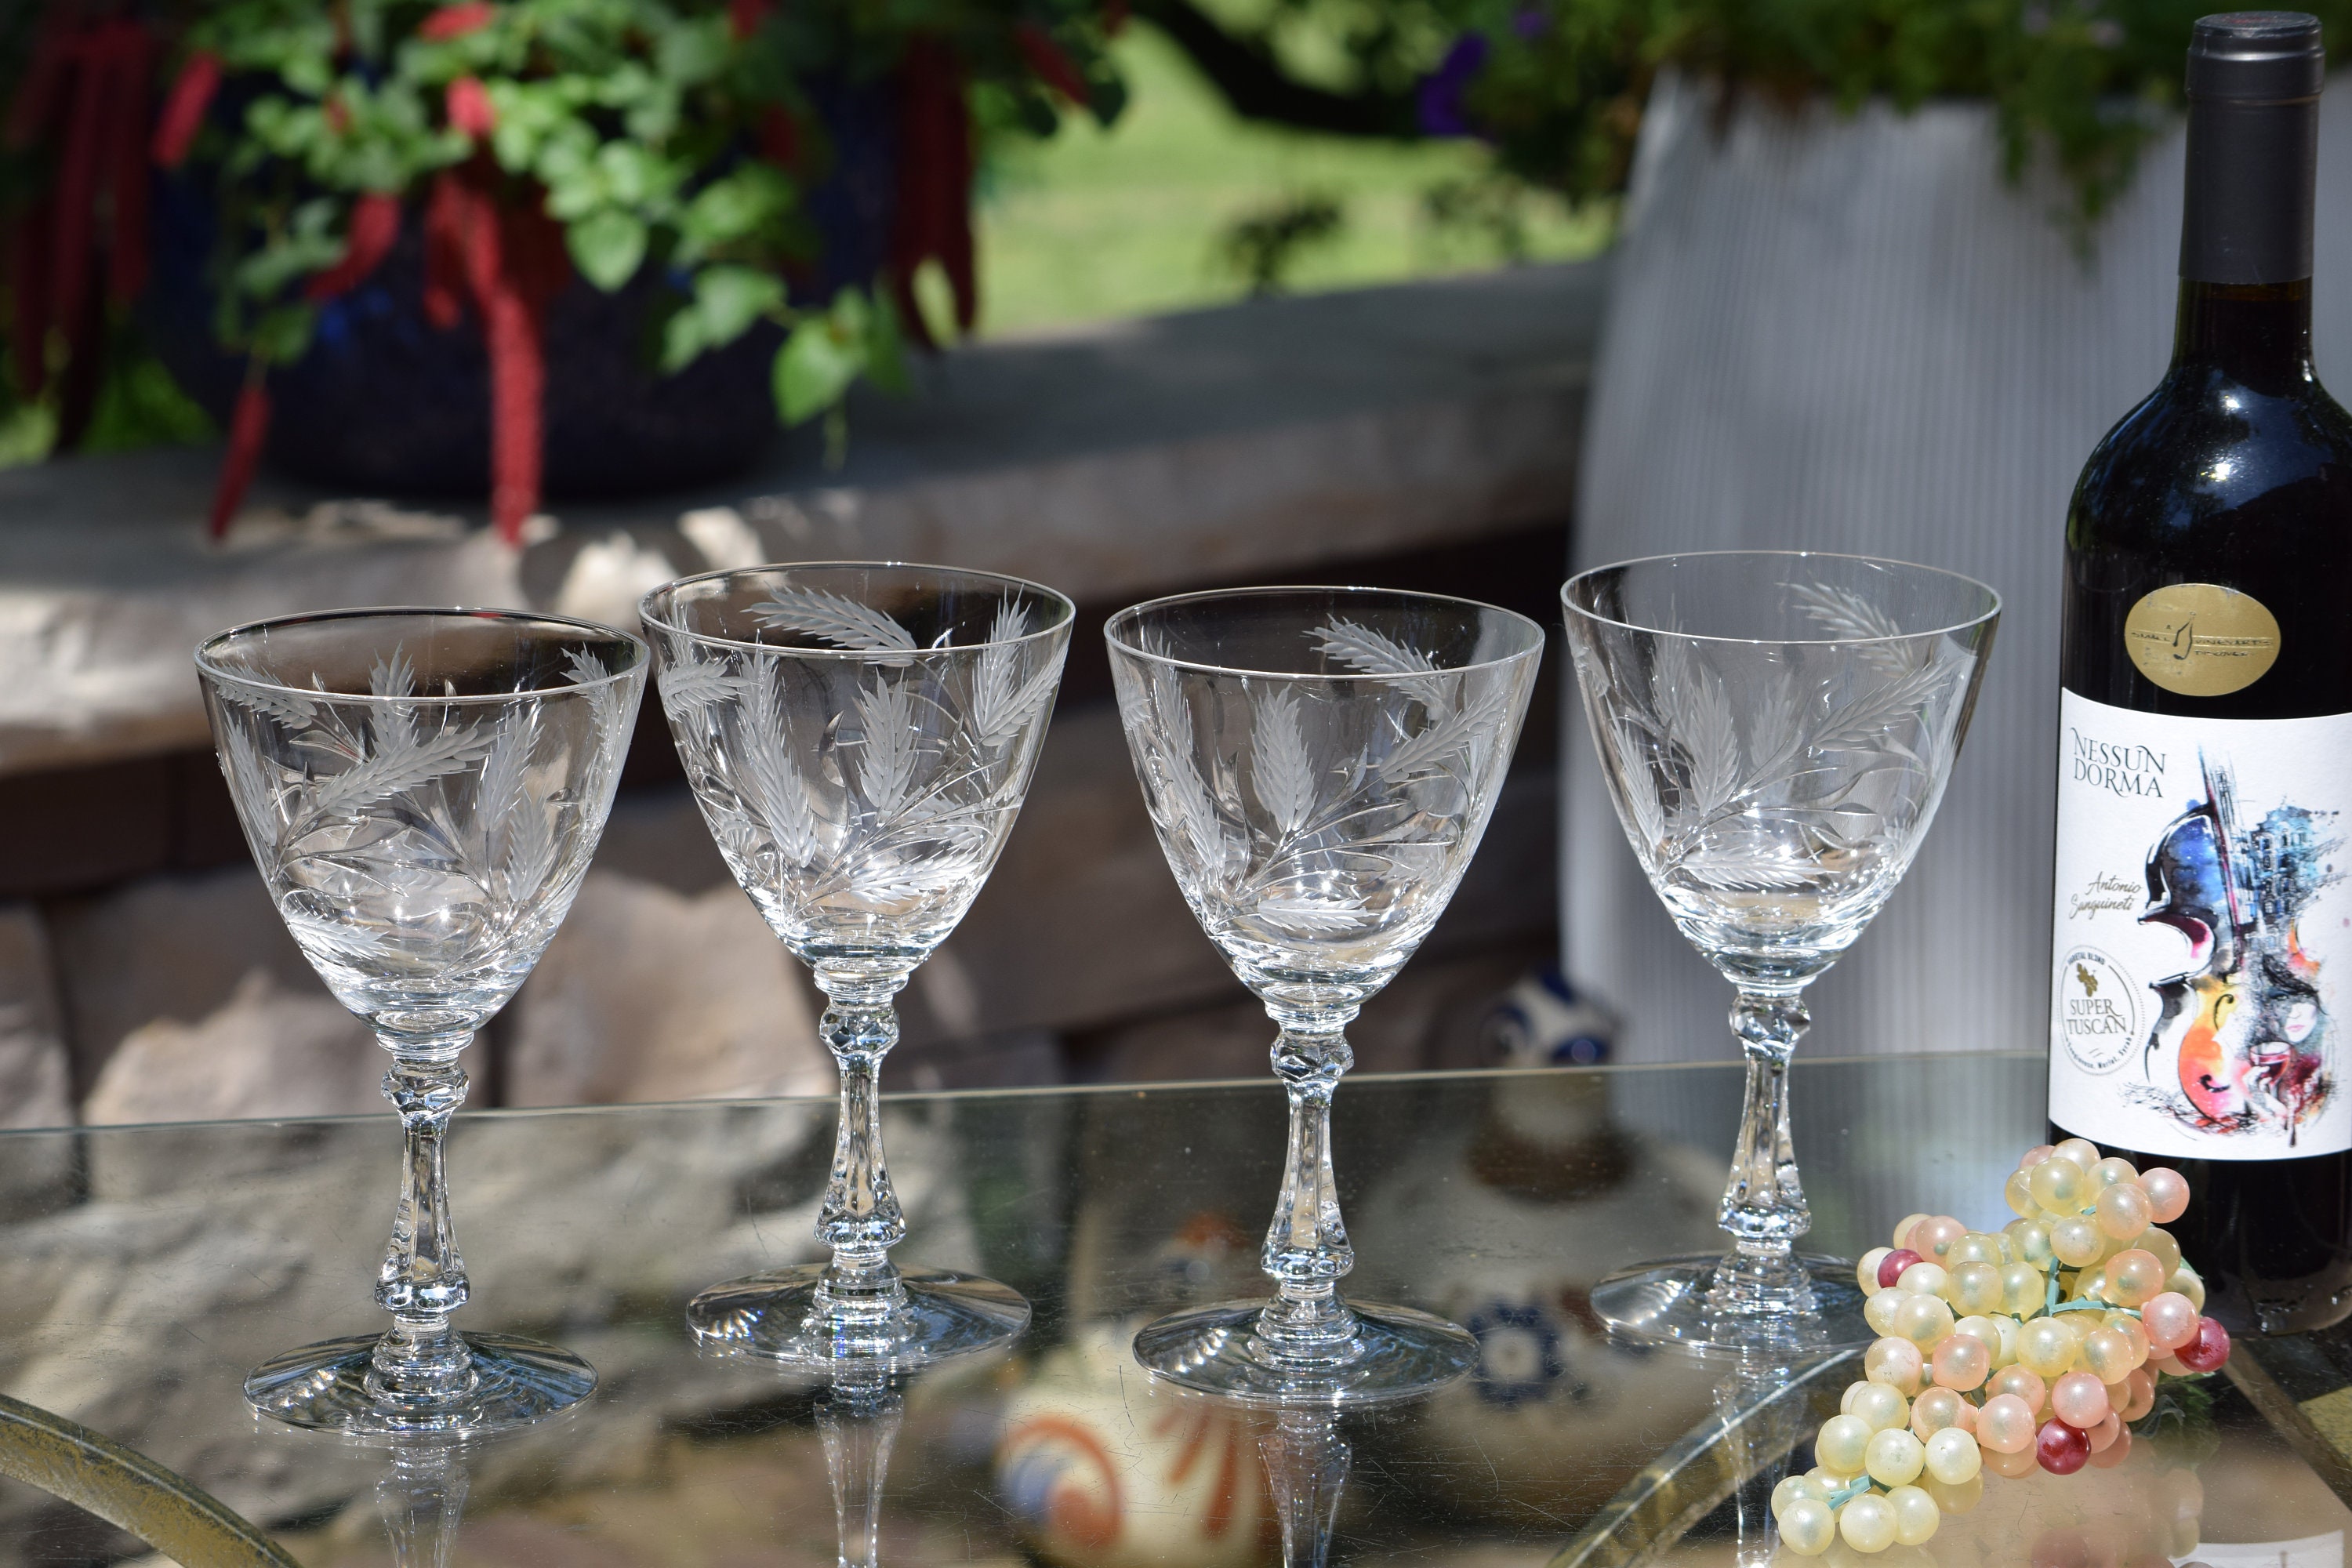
x=2201, y=639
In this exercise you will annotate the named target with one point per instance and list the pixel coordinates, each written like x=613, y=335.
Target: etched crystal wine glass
x=860, y=737
x=1318, y=765
x=1776, y=730
x=422, y=790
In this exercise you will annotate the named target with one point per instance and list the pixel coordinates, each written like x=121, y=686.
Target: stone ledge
x=1111, y=462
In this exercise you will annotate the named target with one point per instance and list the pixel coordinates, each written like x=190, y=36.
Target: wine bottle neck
x=2256, y=334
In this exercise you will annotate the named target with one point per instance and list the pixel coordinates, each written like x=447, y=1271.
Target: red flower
x=744, y=17
x=1047, y=61
x=376, y=224
x=183, y=107
x=469, y=105
x=457, y=21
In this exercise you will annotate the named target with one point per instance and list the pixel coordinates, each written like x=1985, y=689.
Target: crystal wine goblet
x=860, y=738
x=422, y=790
x=1776, y=730
x=1318, y=765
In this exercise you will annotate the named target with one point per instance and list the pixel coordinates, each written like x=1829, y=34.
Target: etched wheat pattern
x=883, y=784
x=355, y=803
x=1299, y=827
x=1687, y=776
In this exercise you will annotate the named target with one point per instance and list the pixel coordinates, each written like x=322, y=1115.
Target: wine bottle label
x=2201, y=639
x=2203, y=933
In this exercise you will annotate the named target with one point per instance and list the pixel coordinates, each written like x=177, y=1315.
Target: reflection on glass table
x=142, y=1269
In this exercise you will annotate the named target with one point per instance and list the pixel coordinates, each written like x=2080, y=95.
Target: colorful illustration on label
x=2243, y=1022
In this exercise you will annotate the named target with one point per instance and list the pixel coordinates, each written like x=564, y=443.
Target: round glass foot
x=937, y=1314
x=1398, y=1354
x=515, y=1382
x=1676, y=1302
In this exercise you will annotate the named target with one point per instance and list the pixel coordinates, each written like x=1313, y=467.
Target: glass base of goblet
x=1397, y=1354
x=514, y=1383
x=1677, y=1302
x=778, y=1315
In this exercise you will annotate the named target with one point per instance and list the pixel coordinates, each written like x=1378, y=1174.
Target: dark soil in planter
x=387, y=403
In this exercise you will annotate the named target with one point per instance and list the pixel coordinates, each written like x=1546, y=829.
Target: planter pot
x=386, y=403
x=1850, y=333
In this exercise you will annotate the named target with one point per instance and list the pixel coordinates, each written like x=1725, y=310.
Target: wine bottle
x=2201, y=997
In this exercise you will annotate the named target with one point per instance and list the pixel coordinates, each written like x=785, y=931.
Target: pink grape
x=1961, y=1362
x=2207, y=1350
x=2022, y=1383
x=2062, y=1449
x=2005, y=1426
x=2168, y=1193
x=2079, y=1399
x=2135, y=1277
x=2103, y=1436
x=2035, y=1156
x=2169, y=1320
x=2114, y=1453
x=1935, y=1238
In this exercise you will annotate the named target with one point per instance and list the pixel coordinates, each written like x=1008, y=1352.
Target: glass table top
x=144, y=1271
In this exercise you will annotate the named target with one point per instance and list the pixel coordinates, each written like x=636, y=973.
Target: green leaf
x=607, y=246
x=730, y=299
x=282, y=335
x=886, y=347
x=681, y=341
x=814, y=368
x=691, y=53
x=738, y=204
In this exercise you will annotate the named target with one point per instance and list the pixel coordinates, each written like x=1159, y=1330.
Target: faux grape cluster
x=2029, y=1348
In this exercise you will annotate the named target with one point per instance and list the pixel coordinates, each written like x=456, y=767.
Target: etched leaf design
x=1281, y=772
x=1171, y=749
x=1002, y=702
x=688, y=690
x=843, y=622
x=1879, y=708
x=395, y=677
x=1372, y=653
x=1639, y=783
x=1458, y=731
x=294, y=712
x=1709, y=736
x=604, y=693
x=1845, y=614
x=1321, y=916
x=314, y=933
x=1776, y=733
x=399, y=767
x=891, y=751
x=769, y=785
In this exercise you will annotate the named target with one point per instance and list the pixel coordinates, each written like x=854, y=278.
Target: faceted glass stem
x=1306, y=1469
x=421, y=1362
x=1307, y=1251
x=1764, y=1202
x=422, y=1499
x=861, y=1220
x=858, y=1420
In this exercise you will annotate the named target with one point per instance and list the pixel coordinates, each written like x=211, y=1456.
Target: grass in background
x=1159, y=212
